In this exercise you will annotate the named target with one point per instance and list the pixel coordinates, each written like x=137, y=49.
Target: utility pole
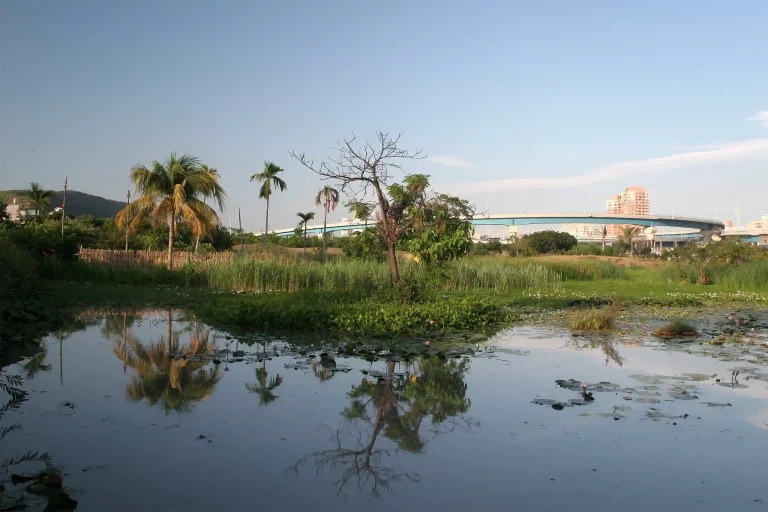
x=590, y=198
x=488, y=209
x=63, y=207
x=126, y=226
x=240, y=224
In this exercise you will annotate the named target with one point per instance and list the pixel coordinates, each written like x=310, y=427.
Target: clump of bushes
x=676, y=328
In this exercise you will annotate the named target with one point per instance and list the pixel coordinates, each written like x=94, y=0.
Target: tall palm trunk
x=304, y=241
x=197, y=240
x=170, y=331
x=266, y=227
x=171, y=226
x=394, y=272
x=325, y=224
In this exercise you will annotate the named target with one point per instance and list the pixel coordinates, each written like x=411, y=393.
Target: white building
x=584, y=231
x=759, y=225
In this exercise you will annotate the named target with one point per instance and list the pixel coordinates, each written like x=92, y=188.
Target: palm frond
x=27, y=457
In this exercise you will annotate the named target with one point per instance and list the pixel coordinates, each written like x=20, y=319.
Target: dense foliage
x=44, y=237
x=547, y=242
x=351, y=313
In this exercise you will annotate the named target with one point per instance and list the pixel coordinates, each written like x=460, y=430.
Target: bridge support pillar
x=706, y=235
x=512, y=232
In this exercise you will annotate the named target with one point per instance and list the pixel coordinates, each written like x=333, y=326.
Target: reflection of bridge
x=705, y=226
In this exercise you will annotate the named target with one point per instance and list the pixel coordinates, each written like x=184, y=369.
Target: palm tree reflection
x=36, y=364
x=167, y=373
x=265, y=387
x=394, y=406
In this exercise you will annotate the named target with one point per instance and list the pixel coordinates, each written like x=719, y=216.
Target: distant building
x=634, y=201
x=584, y=231
x=17, y=211
x=759, y=225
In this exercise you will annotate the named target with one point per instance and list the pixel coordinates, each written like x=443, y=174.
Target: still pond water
x=251, y=422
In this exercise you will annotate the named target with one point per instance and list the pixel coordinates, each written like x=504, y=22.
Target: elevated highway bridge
x=706, y=227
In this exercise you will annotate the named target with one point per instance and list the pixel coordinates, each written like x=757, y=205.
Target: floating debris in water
x=575, y=385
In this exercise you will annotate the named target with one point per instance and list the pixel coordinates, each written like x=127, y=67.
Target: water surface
x=212, y=421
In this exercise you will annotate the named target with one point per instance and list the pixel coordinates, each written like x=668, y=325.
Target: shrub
x=545, y=242
x=676, y=328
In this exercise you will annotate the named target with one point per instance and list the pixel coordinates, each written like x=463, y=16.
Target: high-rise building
x=634, y=201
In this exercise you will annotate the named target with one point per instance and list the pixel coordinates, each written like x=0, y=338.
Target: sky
x=519, y=106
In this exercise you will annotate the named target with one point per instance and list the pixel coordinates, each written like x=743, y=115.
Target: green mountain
x=78, y=203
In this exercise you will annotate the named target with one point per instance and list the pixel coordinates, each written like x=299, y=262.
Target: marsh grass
x=594, y=319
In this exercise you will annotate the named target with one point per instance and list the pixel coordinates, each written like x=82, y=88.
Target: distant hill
x=78, y=203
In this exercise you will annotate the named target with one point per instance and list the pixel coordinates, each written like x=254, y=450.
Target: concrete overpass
x=706, y=226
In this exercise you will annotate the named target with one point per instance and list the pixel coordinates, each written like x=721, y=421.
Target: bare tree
x=368, y=168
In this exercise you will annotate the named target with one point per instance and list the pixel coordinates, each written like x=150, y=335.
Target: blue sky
x=534, y=100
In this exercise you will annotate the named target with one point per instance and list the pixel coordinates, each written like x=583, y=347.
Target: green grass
x=356, y=295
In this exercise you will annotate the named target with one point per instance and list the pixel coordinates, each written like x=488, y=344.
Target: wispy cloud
x=761, y=117
x=449, y=161
x=754, y=149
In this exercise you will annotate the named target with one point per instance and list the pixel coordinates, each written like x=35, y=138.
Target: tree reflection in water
x=394, y=406
x=36, y=364
x=264, y=387
x=607, y=345
x=169, y=374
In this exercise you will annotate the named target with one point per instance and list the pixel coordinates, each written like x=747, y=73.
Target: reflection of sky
x=510, y=458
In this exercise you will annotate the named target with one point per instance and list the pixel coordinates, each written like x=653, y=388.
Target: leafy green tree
x=365, y=246
x=546, y=242
x=172, y=193
x=305, y=218
x=39, y=197
x=440, y=229
x=328, y=198
x=269, y=178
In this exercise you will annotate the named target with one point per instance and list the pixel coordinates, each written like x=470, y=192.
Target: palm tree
x=171, y=193
x=269, y=178
x=361, y=210
x=604, y=234
x=40, y=198
x=628, y=233
x=305, y=217
x=215, y=174
x=328, y=197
